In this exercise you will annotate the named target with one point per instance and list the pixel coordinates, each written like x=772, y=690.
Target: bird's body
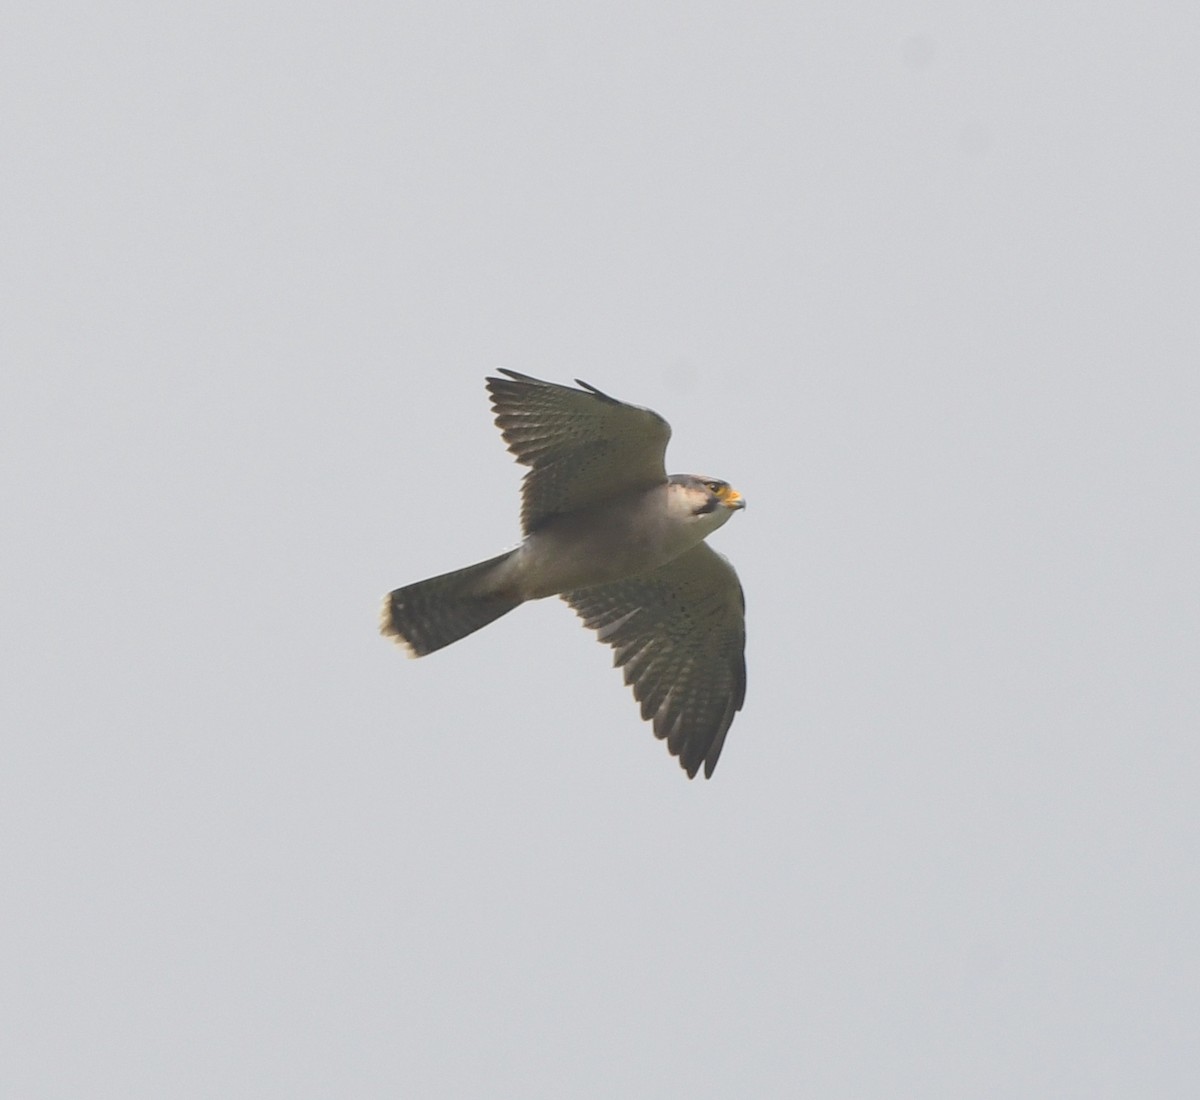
x=630, y=534
x=621, y=542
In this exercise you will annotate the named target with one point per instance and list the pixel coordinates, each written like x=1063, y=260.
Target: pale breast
x=607, y=543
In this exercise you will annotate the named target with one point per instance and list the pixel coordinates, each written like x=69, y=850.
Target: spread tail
x=430, y=614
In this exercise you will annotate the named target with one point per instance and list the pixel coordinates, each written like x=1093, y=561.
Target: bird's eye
x=715, y=486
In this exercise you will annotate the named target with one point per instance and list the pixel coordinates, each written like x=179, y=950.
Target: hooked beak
x=732, y=499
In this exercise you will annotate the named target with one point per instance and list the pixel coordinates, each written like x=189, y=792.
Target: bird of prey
x=606, y=529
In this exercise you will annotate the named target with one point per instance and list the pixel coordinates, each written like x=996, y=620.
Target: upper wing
x=582, y=446
x=679, y=631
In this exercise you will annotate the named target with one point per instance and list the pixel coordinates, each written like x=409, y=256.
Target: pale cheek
x=710, y=521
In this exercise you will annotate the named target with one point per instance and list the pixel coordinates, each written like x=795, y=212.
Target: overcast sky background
x=920, y=280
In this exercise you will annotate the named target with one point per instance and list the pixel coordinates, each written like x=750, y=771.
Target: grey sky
x=920, y=280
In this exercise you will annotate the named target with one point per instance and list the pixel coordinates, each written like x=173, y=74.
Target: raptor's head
x=708, y=501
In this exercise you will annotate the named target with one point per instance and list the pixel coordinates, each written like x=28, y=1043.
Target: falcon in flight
x=606, y=529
